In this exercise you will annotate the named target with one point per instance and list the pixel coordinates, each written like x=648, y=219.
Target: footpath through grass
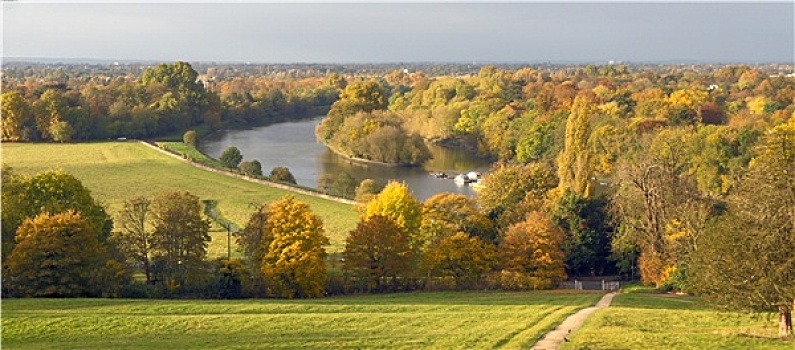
x=116, y=171
x=454, y=320
x=663, y=321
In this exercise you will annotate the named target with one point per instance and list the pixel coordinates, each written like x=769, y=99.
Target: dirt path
x=554, y=338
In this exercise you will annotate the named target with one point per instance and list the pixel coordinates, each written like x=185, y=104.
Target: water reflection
x=293, y=145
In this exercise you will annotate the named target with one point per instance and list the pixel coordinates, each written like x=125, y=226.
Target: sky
x=525, y=32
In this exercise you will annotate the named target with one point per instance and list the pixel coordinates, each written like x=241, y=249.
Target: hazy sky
x=391, y=32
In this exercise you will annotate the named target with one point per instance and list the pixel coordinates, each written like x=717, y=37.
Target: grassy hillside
x=659, y=321
x=115, y=171
x=464, y=320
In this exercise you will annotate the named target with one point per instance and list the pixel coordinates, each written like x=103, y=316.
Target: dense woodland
x=683, y=176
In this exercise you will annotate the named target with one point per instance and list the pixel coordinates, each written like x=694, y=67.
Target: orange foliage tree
x=58, y=256
x=377, y=250
x=532, y=248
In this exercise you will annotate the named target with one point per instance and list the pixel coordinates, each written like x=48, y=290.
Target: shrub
x=282, y=174
x=189, y=138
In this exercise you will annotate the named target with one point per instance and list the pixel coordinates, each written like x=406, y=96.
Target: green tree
x=180, y=237
x=745, y=261
x=293, y=243
x=377, y=252
x=587, y=234
x=51, y=191
x=282, y=174
x=398, y=204
x=189, y=138
x=461, y=257
x=251, y=168
x=249, y=239
x=133, y=234
x=18, y=119
x=231, y=157
x=13, y=206
x=57, y=256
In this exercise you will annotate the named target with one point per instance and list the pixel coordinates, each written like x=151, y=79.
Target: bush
x=189, y=138
x=251, y=168
x=282, y=174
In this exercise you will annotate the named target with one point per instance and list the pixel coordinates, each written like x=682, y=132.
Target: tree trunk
x=784, y=320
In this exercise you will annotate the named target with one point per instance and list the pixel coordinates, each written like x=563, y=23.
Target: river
x=293, y=145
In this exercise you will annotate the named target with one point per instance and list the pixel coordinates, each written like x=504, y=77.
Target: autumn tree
x=398, y=204
x=512, y=190
x=57, y=256
x=360, y=96
x=18, y=120
x=377, y=253
x=461, y=257
x=574, y=162
x=363, y=96
x=50, y=109
x=293, y=242
x=745, y=261
x=133, y=233
x=180, y=237
x=533, y=248
x=51, y=191
x=658, y=204
x=231, y=157
x=446, y=214
x=282, y=174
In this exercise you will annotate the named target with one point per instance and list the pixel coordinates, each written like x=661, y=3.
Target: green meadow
x=663, y=321
x=454, y=320
x=116, y=171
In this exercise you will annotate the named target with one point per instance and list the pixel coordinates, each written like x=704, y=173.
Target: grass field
x=115, y=171
x=661, y=321
x=460, y=320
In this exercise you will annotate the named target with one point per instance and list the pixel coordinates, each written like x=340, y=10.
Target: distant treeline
x=53, y=105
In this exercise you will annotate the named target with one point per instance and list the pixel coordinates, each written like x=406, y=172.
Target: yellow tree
x=461, y=257
x=533, y=248
x=574, y=162
x=512, y=190
x=18, y=121
x=398, y=204
x=446, y=214
x=293, y=242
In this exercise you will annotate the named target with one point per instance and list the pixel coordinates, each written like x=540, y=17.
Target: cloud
x=263, y=32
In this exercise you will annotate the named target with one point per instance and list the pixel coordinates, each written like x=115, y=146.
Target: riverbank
x=117, y=171
x=202, y=165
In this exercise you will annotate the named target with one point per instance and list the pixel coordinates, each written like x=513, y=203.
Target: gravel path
x=553, y=339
